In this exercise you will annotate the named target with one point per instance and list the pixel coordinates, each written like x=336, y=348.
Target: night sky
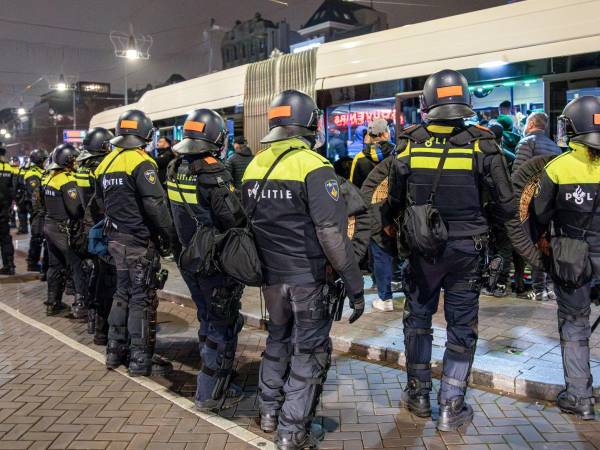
x=41, y=39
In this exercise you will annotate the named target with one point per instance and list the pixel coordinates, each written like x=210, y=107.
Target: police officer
x=21, y=197
x=300, y=223
x=139, y=230
x=568, y=198
x=200, y=190
x=102, y=282
x=6, y=199
x=35, y=195
x=62, y=207
x=14, y=166
x=472, y=160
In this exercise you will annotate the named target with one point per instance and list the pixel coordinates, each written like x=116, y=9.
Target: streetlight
x=61, y=85
x=21, y=111
x=3, y=131
x=130, y=47
x=8, y=135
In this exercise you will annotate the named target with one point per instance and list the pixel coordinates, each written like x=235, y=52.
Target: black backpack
x=423, y=230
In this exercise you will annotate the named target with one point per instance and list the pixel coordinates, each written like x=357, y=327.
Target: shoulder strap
x=262, y=183
x=594, y=209
x=186, y=205
x=438, y=173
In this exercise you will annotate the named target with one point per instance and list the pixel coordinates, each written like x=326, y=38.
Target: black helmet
x=38, y=156
x=292, y=114
x=203, y=130
x=63, y=157
x=580, y=121
x=134, y=129
x=446, y=96
x=97, y=140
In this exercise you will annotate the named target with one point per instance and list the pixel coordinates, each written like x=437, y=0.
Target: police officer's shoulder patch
x=72, y=193
x=333, y=189
x=150, y=176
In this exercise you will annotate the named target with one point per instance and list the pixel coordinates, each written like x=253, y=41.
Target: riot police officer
x=62, y=207
x=466, y=158
x=201, y=191
x=7, y=194
x=33, y=183
x=139, y=229
x=21, y=197
x=300, y=224
x=102, y=283
x=568, y=199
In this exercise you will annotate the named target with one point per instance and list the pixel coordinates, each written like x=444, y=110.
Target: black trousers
x=133, y=314
x=36, y=241
x=297, y=355
x=61, y=260
x=458, y=271
x=6, y=245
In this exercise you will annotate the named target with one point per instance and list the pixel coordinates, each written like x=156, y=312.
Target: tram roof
x=522, y=31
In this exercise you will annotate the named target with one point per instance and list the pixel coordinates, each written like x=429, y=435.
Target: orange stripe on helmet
x=449, y=91
x=280, y=111
x=129, y=124
x=596, y=119
x=194, y=126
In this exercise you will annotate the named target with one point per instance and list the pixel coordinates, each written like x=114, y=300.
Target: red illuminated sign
x=360, y=117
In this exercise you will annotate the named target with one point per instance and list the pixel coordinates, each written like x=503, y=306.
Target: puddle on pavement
x=170, y=324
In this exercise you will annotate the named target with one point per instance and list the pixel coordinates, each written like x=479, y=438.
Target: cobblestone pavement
x=518, y=350
x=359, y=405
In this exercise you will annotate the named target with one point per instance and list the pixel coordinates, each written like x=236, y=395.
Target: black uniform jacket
x=133, y=198
x=568, y=189
x=61, y=197
x=33, y=183
x=300, y=220
x=7, y=190
x=195, y=180
x=473, y=173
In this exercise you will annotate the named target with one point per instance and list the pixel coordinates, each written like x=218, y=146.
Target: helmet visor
x=563, y=128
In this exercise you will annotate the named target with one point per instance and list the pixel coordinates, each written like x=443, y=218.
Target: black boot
x=34, y=268
x=78, y=309
x=7, y=270
x=91, y=321
x=581, y=407
x=415, y=397
x=300, y=440
x=116, y=354
x=268, y=422
x=101, y=334
x=231, y=397
x=454, y=414
x=140, y=362
x=160, y=366
x=57, y=308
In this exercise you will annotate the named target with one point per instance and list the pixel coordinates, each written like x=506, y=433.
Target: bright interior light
x=131, y=53
x=21, y=111
x=2, y=131
x=493, y=64
x=7, y=135
x=61, y=86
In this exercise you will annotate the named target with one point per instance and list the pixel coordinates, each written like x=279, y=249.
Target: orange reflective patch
x=481, y=127
x=280, y=111
x=596, y=119
x=194, y=126
x=210, y=160
x=449, y=91
x=129, y=124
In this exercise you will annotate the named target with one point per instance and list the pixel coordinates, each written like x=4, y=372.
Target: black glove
x=164, y=245
x=357, y=303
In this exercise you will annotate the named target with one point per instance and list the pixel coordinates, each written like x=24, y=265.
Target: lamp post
x=130, y=47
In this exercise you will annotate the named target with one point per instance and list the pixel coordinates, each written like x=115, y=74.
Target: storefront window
x=347, y=125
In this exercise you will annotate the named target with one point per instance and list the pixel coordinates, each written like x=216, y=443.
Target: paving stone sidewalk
x=518, y=350
x=359, y=405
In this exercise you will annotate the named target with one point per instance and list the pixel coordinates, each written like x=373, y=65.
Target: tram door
x=408, y=110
